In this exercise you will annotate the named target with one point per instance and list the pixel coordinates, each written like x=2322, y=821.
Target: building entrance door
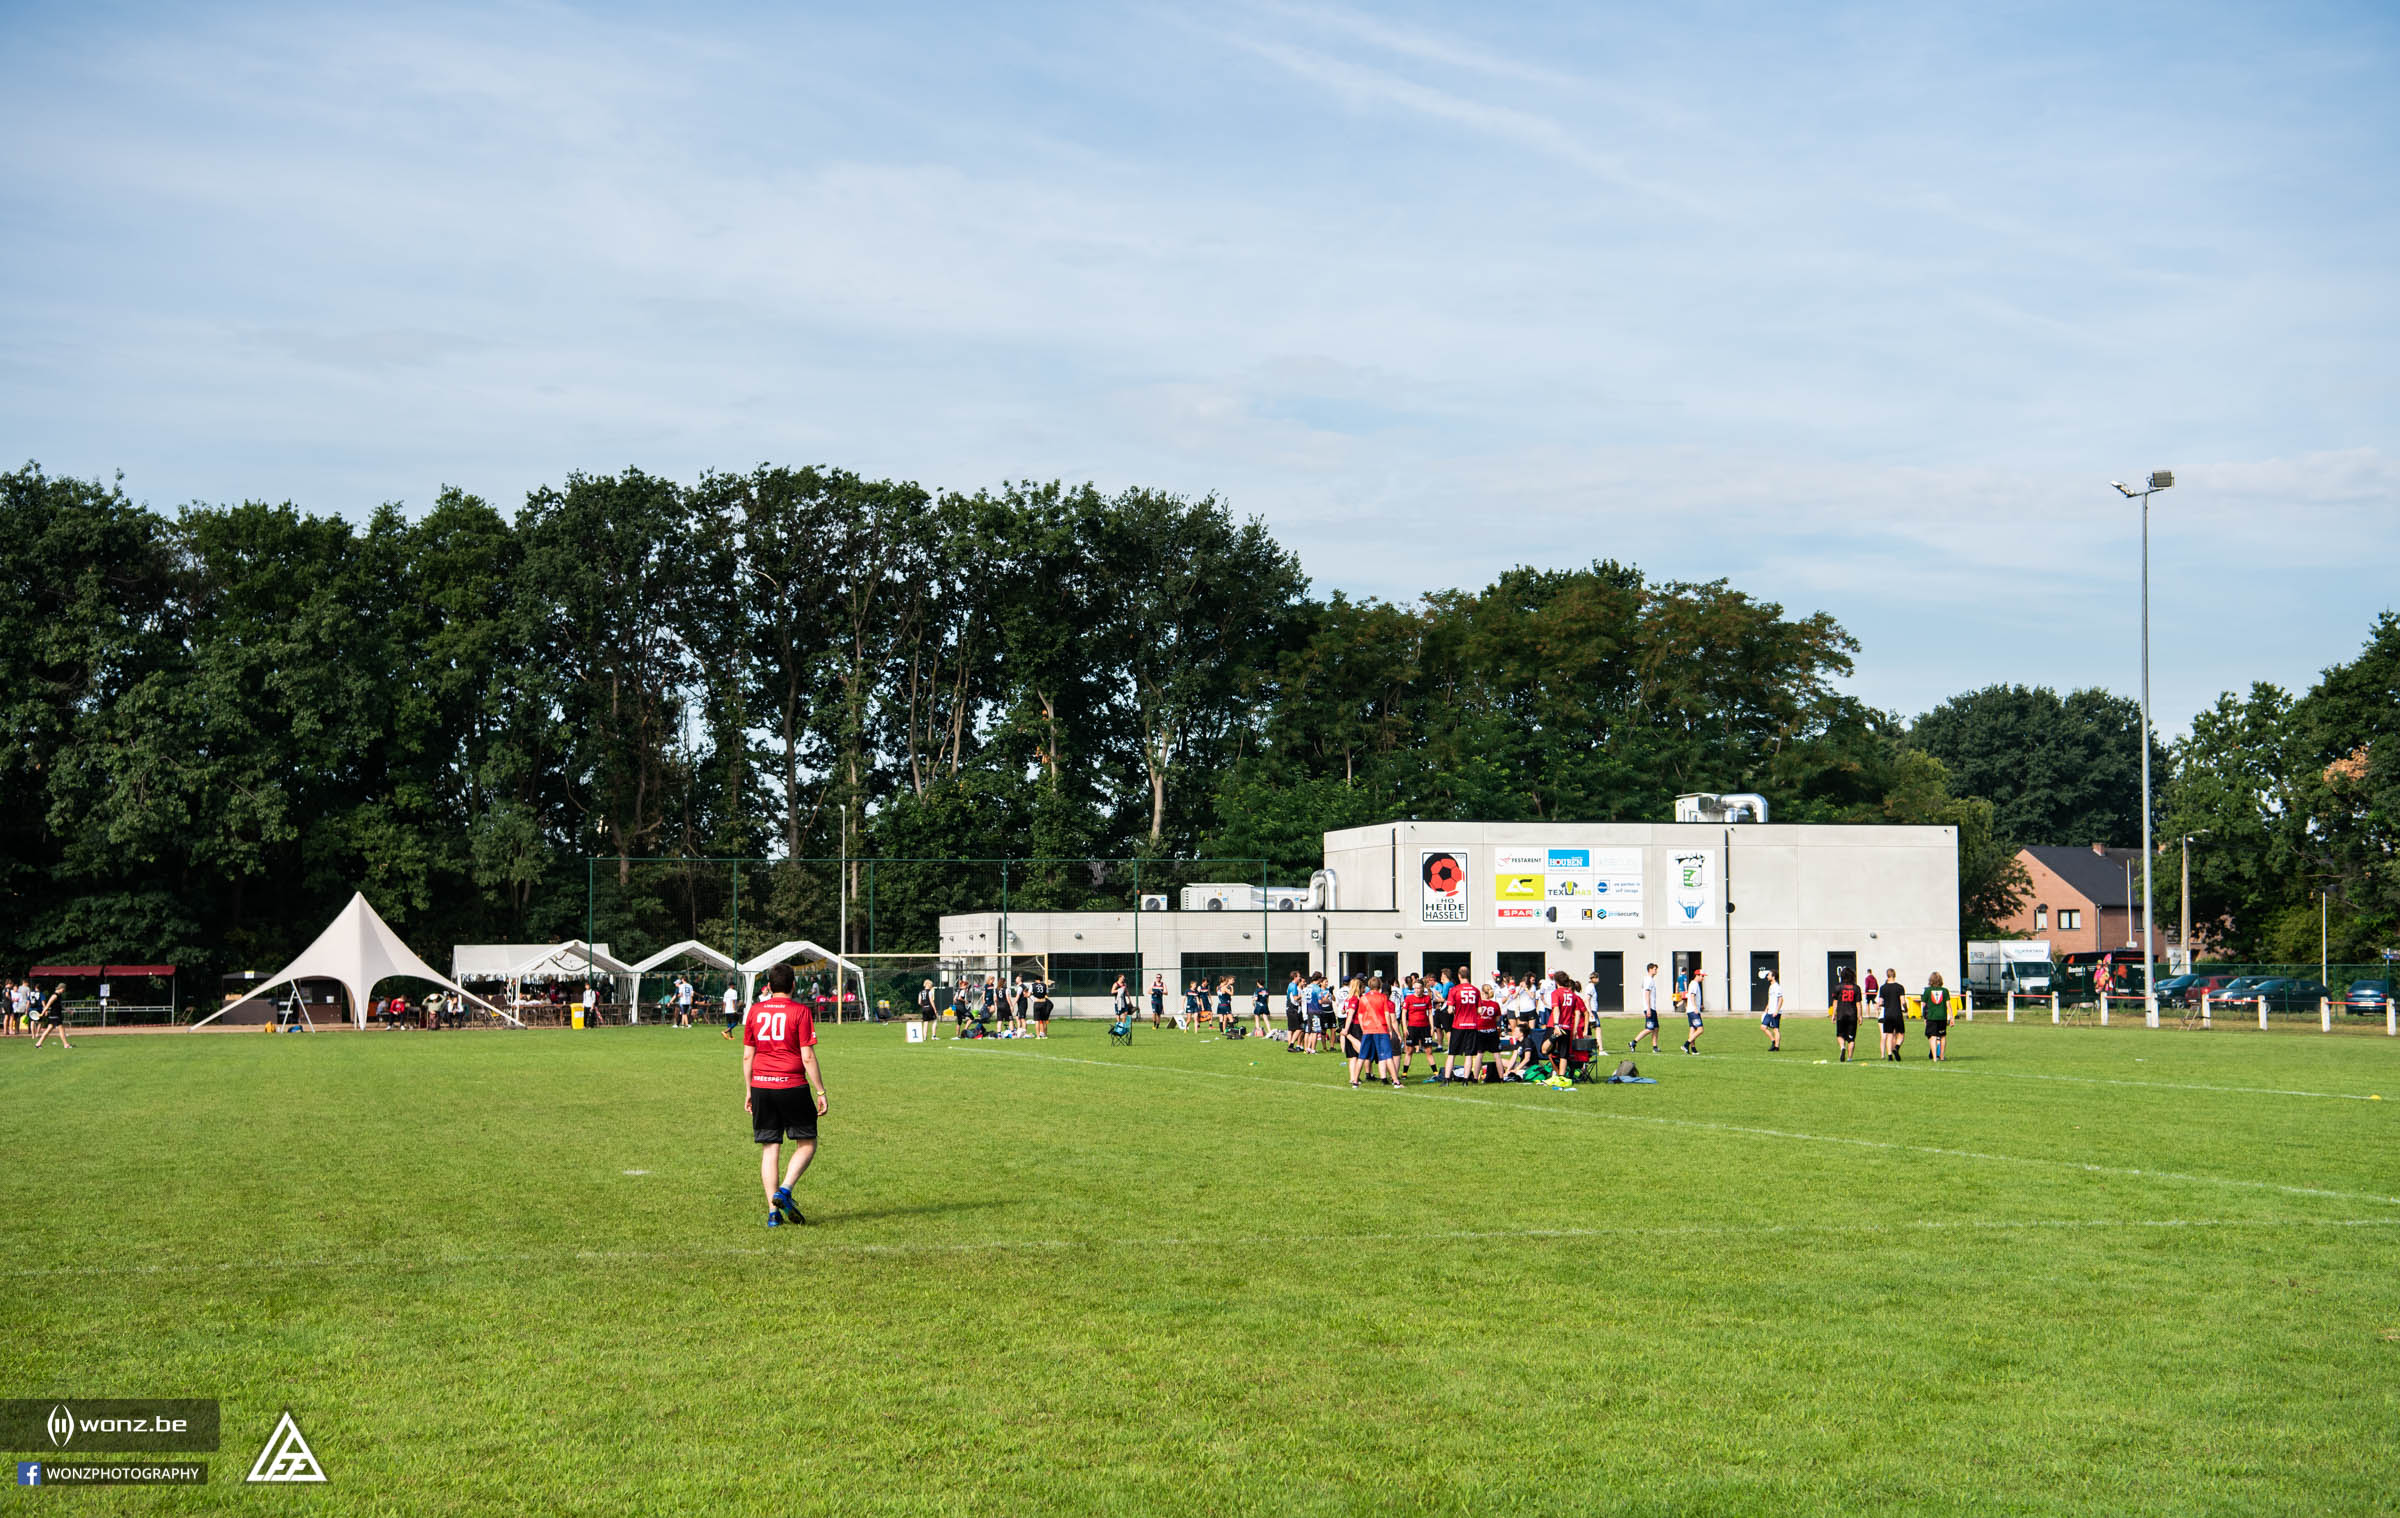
x=1522, y=964
x=1762, y=965
x=1438, y=960
x=1608, y=995
x=1366, y=966
x=1840, y=965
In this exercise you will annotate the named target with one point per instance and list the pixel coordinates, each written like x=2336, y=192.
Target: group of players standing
x=1495, y=1031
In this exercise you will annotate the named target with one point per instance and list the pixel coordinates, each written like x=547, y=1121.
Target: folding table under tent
x=577, y=960
x=357, y=951
x=785, y=953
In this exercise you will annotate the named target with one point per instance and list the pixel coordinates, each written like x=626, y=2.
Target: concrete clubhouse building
x=1734, y=898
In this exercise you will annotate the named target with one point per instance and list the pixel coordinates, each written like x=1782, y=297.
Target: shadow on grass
x=920, y=1209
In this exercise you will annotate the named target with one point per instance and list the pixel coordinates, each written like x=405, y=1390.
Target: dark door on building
x=1522, y=964
x=1687, y=962
x=1840, y=965
x=1608, y=995
x=1438, y=960
x=1368, y=965
x=1762, y=965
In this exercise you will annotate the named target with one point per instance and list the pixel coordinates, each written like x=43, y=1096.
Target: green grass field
x=2074, y=1271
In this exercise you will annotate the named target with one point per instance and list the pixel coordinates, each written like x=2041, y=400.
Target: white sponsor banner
x=1442, y=885
x=1692, y=888
x=1543, y=887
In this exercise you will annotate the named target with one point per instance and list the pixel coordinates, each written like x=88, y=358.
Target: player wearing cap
x=782, y=1089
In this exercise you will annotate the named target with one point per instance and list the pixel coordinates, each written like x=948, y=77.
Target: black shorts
x=1291, y=1020
x=1650, y=1020
x=1845, y=1024
x=1420, y=1035
x=1895, y=1022
x=1937, y=1027
x=781, y=1112
x=1464, y=1042
x=1491, y=1040
x=1041, y=1011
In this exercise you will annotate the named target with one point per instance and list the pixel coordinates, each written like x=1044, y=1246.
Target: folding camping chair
x=1121, y=1031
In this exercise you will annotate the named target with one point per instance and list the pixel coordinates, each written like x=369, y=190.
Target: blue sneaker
x=774, y=1220
x=785, y=1207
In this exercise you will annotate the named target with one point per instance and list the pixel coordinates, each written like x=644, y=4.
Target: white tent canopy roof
x=358, y=950
x=493, y=961
x=569, y=961
x=690, y=946
x=798, y=948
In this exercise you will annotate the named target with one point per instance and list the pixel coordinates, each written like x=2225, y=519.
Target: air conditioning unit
x=1154, y=903
x=1221, y=897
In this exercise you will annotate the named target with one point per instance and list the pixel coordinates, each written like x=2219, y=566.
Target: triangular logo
x=287, y=1456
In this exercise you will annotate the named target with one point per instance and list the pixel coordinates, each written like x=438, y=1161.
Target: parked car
x=2283, y=993
x=2186, y=990
x=2239, y=990
x=2367, y=996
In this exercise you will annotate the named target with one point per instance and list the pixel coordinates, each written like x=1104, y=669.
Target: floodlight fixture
x=2162, y=479
x=2124, y=489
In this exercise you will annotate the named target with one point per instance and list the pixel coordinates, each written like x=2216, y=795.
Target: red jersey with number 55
x=777, y=1029
x=1466, y=1008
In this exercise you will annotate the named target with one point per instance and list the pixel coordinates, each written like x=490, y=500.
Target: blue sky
x=1858, y=306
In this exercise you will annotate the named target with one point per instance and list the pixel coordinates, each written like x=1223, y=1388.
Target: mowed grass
x=2074, y=1271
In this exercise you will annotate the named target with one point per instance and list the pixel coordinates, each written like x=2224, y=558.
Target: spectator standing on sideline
x=1937, y=1018
x=1158, y=1001
x=782, y=1090
x=1591, y=1006
x=1772, y=1018
x=1895, y=1015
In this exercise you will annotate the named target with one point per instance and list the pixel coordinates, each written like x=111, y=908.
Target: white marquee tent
x=359, y=950
x=799, y=948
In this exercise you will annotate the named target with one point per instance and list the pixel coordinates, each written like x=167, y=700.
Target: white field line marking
x=1704, y=1125
x=442, y=1261
x=1915, y=1067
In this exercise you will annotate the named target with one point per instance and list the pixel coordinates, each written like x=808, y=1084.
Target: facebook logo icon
x=29, y=1473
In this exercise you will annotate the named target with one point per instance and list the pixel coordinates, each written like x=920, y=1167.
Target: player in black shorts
x=1845, y=1015
x=1895, y=1015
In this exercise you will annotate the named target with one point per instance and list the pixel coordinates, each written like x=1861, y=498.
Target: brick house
x=2082, y=899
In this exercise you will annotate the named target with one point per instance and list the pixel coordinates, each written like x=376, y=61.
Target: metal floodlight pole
x=2160, y=479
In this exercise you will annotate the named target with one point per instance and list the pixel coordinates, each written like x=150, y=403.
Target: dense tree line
x=223, y=721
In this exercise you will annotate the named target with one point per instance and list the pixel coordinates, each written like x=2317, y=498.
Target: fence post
x=2391, y=1018
x=2054, y=1009
x=2149, y=1008
x=2104, y=1009
x=2325, y=1014
x=2262, y=1011
x=2012, y=1004
x=2207, y=1012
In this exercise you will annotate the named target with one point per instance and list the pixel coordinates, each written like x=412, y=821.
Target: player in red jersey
x=1466, y=1030
x=782, y=1089
x=1416, y=1010
x=1370, y=1025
